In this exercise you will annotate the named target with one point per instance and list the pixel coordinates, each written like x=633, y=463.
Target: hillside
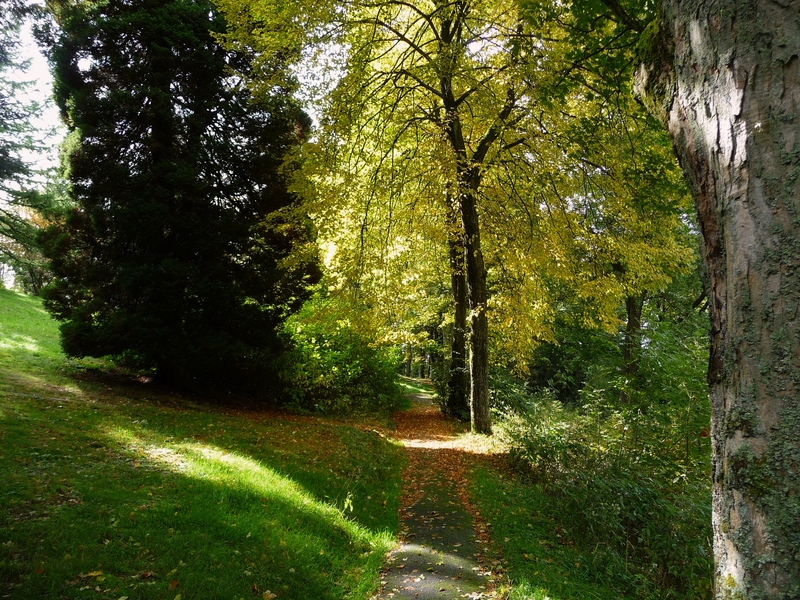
x=113, y=488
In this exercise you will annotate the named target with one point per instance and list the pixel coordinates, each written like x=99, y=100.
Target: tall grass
x=618, y=493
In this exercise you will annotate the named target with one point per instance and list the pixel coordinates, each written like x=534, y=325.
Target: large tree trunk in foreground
x=723, y=75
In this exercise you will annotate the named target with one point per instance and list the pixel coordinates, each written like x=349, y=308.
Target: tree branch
x=421, y=83
x=627, y=19
x=400, y=36
x=494, y=131
x=428, y=18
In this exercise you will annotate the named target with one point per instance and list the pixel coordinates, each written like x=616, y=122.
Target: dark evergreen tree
x=181, y=253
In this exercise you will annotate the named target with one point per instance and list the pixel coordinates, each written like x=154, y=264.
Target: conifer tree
x=181, y=252
x=18, y=247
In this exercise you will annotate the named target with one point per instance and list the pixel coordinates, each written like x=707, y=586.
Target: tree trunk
x=457, y=400
x=479, y=331
x=723, y=75
x=631, y=345
x=468, y=178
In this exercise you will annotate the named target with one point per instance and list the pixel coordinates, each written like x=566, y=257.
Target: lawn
x=113, y=488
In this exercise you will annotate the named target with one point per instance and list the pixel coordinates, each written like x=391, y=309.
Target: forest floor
x=471, y=527
x=111, y=487
x=444, y=553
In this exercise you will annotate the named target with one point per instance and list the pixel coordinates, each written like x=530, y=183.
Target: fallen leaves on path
x=437, y=452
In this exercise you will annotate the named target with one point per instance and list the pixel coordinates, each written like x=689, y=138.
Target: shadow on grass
x=544, y=562
x=114, y=488
x=210, y=505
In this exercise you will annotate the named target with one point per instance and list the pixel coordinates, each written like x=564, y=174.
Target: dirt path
x=441, y=556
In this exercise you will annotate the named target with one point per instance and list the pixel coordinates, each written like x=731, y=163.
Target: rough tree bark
x=480, y=419
x=458, y=386
x=724, y=76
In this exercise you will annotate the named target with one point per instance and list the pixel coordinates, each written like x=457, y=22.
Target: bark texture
x=723, y=75
x=458, y=385
x=480, y=419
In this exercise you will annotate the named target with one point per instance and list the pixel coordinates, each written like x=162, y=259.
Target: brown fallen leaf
x=173, y=584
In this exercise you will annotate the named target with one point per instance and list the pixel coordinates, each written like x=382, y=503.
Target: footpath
x=441, y=556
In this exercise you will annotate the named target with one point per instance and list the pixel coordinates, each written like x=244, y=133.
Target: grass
x=542, y=559
x=415, y=386
x=575, y=529
x=112, y=488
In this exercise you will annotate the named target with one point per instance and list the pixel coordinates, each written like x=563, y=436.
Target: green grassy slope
x=112, y=488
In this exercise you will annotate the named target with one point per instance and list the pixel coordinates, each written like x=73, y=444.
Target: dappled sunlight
x=19, y=342
x=166, y=456
x=235, y=471
x=524, y=590
x=431, y=443
x=428, y=434
x=72, y=390
x=445, y=576
x=474, y=443
x=40, y=387
x=466, y=442
x=141, y=490
x=204, y=461
x=217, y=465
x=448, y=563
x=444, y=538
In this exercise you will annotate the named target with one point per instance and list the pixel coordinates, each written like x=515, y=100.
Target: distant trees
x=18, y=202
x=182, y=252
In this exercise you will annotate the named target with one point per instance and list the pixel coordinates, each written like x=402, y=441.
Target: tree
x=722, y=76
x=18, y=203
x=182, y=253
x=445, y=119
x=445, y=74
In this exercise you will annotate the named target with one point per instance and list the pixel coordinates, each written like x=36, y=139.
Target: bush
x=509, y=394
x=638, y=503
x=334, y=366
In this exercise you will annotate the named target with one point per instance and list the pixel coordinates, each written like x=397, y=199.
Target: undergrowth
x=333, y=366
x=602, y=499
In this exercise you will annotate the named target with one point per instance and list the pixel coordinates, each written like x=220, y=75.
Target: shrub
x=334, y=366
x=639, y=504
